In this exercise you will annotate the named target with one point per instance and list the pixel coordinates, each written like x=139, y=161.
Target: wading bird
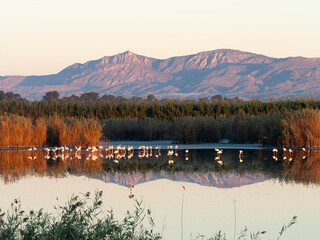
x=186, y=155
x=241, y=156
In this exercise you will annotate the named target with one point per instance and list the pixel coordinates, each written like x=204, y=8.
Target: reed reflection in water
x=298, y=166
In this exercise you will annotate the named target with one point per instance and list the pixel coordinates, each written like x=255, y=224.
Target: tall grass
x=71, y=131
x=83, y=218
x=17, y=131
x=297, y=129
x=237, y=129
x=80, y=218
x=301, y=128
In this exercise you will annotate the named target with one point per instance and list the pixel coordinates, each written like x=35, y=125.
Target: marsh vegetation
x=84, y=120
x=18, y=131
x=82, y=217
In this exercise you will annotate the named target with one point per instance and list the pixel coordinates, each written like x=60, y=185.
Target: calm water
x=264, y=188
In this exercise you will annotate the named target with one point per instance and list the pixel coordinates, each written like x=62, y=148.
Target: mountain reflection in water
x=201, y=167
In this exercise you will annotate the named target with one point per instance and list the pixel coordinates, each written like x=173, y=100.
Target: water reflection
x=173, y=163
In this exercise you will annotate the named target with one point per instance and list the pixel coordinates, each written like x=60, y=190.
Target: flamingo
x=186, y=154
x=275, y=153
x=241, y=156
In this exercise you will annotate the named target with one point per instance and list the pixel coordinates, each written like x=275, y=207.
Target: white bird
x=241, y=156
x=94, y=149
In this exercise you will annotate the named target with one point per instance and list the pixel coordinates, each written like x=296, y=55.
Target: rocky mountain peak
x=226, y=72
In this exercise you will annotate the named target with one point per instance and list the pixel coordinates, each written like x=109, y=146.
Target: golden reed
x=17, y=131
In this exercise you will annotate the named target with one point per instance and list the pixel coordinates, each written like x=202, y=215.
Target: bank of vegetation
x=273, y=122
x=82, y=218
x=19, y=131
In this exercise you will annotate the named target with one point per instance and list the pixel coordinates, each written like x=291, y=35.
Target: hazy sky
x=45, y=36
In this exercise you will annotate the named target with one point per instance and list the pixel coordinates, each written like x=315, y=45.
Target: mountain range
x=226, y=72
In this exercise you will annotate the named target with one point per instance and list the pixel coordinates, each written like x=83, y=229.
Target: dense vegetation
x=292, y=122
x=16, y=131
x=89, y=105
x=82, y=218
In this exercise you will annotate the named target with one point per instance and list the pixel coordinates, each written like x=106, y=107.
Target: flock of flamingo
x=116, y=153
x=287, y=154
x=110, y=152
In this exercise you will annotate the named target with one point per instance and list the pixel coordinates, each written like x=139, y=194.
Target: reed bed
x=296, y=129
x=244, y=129
x=301, y=128
x=17, y=131
x=72, y=131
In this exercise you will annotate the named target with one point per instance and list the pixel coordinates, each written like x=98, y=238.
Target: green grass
x=82, y=218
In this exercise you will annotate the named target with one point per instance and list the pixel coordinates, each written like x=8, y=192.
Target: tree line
x=90, y=105
x=287, y=121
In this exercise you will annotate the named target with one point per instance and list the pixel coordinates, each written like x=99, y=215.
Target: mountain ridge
x=224, y=71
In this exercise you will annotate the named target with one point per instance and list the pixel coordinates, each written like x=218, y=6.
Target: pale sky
x=44, y=36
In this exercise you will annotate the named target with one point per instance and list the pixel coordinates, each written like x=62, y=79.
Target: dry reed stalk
x=16, y=131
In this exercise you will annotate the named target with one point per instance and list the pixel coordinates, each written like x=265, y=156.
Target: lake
x=257, y=188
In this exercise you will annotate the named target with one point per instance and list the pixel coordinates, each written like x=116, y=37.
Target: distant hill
x=226, y=72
